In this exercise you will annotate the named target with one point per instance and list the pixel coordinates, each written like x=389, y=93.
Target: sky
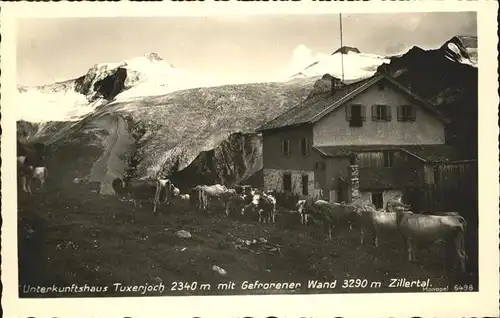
x=236, y=49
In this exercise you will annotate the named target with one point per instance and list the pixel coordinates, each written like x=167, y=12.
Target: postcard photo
x=250, y=161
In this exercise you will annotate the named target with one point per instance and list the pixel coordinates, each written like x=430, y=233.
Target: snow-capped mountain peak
x=142, y=76
x=354, y=64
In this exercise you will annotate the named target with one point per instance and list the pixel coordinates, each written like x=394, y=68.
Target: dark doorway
x=287, y=182
x=305, y=182
x=378, y=199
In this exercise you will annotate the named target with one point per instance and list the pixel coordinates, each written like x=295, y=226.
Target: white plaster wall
x=334, y=129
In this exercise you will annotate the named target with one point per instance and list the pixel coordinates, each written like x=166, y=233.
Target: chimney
x=353, y=177
x=336, y=84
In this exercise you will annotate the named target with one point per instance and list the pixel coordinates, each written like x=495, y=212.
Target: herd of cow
x=244, y=200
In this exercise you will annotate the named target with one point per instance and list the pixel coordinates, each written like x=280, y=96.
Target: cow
x=206, y=193
x=308, y=208
x=28, y=158
x=330, y=214
x=375, y=221
x=433, y=228
x=40, y=174
x=265, y=204
x=235, y=201
x=303, y=210
x=25, y=173
x=145, y=190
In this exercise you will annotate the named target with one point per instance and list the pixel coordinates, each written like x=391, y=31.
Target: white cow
x=40, y=174
x=433, y=228
x=330, y=214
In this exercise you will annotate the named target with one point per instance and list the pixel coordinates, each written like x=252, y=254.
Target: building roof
x=313, y=109
x=425, y=153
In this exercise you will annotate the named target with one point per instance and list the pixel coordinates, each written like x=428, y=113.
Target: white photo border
x=482, y=303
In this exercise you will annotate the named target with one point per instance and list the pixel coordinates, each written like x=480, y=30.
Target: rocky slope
x=448, y=78
x=207, y=134
x=206, y=129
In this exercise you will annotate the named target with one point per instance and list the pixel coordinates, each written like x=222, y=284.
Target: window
x=287, y=182
x=406, y=113
x=286, y=147
x=388, y=158
x=304, y=146
x=305, y=182
x=355, y=115
x=319, y=165
x=381, y=113
x=378, y=200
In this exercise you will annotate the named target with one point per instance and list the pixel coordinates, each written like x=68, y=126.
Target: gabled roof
x=315, y=108
x=426, y=153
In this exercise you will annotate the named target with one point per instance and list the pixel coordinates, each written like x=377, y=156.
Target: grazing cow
x=266, y=206
x=374, y=221
x=40, y=174
x=304, y=210
x=29, y=157
x=308, y=207
x=433, y=228
x=329, y=214
x=145, y=190
x=206, y=193
x=235, y=201
x=184, y=197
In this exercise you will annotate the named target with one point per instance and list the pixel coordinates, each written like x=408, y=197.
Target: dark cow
x=30, y=158
x=145, y=190
x=265, y=205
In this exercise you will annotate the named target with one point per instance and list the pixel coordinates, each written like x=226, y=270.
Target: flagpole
x=341, y=46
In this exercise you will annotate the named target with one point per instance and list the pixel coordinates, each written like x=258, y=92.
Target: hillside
x=175, y=129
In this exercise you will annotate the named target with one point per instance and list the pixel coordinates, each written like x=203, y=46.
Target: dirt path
x=111, y=164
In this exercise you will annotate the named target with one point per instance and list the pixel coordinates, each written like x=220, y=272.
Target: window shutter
x=400, y=112
x=413, y=113
x=303, y=146
x=363, y=112
x=389, y=112
x=348, y=114
x=283, y=146
x=289, y=147
x=374, y=112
